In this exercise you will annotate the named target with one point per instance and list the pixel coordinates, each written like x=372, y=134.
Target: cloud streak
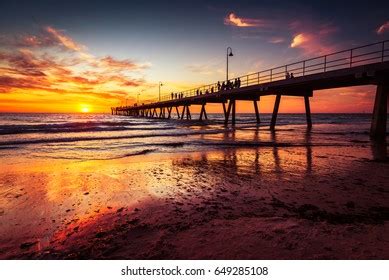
x=234, y=20
x=383, y=28
x=64, y=40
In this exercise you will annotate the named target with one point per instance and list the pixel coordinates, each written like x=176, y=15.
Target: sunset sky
x=74, y=56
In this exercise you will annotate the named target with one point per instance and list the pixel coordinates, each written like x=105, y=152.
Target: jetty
x=363, y=65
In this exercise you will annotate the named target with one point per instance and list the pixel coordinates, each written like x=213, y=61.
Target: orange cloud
x=313, y=38
x=234, y=20
x=383, y=28
x=64, y=40
x=299, y=40
x=34, y=70
x=311, y=44
x=124, y=64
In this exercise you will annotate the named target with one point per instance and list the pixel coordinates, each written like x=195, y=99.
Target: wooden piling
x=378, y=123
x=256, y=111
x=224, y=110
x=308, y=112
x=275, y=112
x=227, y=114
x=183, y=112
x=233, y=111
x=203, y=112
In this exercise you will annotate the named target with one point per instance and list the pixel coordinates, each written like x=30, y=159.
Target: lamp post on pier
x=229, y=53
x=137, y=97
x=159, y=91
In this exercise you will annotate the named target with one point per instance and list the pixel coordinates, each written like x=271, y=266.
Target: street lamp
x=229, y=53
x=160, y=84
x=137, y=97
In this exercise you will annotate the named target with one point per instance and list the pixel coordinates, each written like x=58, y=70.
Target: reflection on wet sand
x=258, y=202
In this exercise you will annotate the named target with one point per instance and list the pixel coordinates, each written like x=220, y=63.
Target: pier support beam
x=233, y=111
x=178, y=112
x=169, y=110
x=224, y=110
x=188, y=115
x=160, y=113
x=230, y=110
x=203, y=113
x=275, y=112
x=183, y=112
x=308, y=112
x=378, y=123
x=256, y=111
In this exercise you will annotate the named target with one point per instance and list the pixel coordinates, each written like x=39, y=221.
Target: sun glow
x=85, y=108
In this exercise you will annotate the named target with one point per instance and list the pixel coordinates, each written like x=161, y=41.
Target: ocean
x=95, y=186
x=104, y=136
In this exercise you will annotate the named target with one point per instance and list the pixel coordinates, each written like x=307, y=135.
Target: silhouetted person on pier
x=172, y=95
x=287, y=75
x=218, y=86
x=229, y=85
x=235, y=83
x=223, y=86
x=238, y=82
x=175, y=95
x=211, y=89
x=207, y=92
x=291, y=75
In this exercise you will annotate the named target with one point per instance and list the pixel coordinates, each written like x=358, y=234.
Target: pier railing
x=367, y=54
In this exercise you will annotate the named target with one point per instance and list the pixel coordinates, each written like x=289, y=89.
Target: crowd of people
x=177, y=95
x=219, y=87
x=228, y=85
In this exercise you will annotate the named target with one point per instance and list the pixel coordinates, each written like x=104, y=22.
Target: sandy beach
x=296, y=202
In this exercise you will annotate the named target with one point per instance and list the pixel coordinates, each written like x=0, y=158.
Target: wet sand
x=303, y=202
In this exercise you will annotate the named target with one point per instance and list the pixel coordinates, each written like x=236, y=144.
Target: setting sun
x=85, y=109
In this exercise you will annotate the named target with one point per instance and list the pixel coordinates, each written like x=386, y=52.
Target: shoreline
x=291, y=202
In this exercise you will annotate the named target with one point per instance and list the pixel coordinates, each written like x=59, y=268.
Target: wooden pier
x=365, y=65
